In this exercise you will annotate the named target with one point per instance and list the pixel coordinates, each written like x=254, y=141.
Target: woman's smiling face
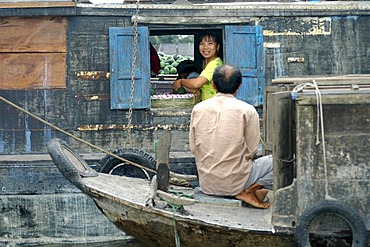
x=208, y=48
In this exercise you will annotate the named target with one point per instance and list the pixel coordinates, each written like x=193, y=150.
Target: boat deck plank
x=208, y=209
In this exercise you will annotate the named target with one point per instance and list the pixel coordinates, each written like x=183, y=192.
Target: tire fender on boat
x=350, y=216
x=112, y=165
x=70, y=164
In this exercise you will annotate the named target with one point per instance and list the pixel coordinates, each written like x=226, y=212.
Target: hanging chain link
x=133, y=68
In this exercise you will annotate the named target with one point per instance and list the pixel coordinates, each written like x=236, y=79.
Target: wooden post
x=163, y=146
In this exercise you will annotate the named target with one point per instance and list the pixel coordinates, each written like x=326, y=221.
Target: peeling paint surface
x=2, y=142
x=171, y=113
x=92, y=75
x=27, y=130
x=295, y=59
x=303, y=27
x=279, y=69
x=272, y=45
x=47, y=103
x=94, y=97
x=99, y=127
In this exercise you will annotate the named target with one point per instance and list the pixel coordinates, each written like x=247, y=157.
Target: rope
x=75, y=137
x=172, y=174
x=177, y=237
x=320, y=125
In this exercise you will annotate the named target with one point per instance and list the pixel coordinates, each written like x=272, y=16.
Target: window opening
x=171, y=49
x=241, y=46
x=174, y=46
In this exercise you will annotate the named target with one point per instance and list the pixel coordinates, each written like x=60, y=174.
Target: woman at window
x=208, y=47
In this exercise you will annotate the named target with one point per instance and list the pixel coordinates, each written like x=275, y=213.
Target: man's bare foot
x=251, y=199
x=249, y=196
x=261, y=194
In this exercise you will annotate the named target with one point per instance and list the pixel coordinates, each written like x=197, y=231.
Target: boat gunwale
x=168, y=214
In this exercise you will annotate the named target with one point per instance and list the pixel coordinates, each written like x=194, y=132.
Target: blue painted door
x=121, y=46
x=244, y=49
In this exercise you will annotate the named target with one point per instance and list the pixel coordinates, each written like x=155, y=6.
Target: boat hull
x=155, y=229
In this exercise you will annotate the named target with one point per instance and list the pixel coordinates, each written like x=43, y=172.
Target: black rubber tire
x=350, y=216
x=71, y=165
x=115, y=166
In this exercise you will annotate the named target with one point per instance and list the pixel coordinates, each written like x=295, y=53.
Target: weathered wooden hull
x=157, y=228
x=201, y=221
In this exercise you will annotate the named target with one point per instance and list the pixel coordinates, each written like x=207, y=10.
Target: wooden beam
x=36, y=4
x=163, y=146
x=193, y=20
x=323, y=80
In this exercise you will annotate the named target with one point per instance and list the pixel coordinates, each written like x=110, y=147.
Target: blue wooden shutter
x=121, y=45
x=244, y=49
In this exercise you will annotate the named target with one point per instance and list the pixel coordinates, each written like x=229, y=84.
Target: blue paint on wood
x=351, y=17
x=244, y=49
x=12, y=144
x=2, y=144
x=28, y=145
x=121, y=56
x=47, y=103
x=279, y=69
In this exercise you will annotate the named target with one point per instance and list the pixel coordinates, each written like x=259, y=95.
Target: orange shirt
x=224, y=137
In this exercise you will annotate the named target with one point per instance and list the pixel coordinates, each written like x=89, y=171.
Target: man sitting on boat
x=224, y=137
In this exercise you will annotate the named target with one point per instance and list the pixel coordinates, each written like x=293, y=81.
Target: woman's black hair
x=212, y=35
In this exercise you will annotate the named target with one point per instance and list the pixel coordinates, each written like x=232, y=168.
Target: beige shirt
x=224, y=137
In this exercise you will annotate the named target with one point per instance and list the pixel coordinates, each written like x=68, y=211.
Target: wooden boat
x=310, y=201
x=211, y=221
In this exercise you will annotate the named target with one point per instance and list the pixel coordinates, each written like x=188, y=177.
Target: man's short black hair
x=227, y=79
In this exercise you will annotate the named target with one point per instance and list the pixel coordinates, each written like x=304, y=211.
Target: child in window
x=186, y=70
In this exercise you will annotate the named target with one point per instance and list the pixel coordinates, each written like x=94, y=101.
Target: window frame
x=249, y=59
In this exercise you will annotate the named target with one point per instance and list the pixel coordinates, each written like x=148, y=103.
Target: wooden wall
x=81, y=105
x=33, y=70
x=32, y=52
x=70, y=55
x=316, y=46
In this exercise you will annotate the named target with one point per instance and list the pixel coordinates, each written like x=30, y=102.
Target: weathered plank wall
x=316, y=46
x=343, y=171
x=20, y=133
x=33, y=69
x=294, y=45
x=89, y=100
x=32, y=52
